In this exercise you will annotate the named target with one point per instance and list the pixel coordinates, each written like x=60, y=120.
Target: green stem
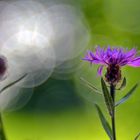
x=112, y=91
x=2, y=133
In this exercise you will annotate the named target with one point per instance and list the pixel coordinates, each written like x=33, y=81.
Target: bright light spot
x=27, y=37
x=39, y=38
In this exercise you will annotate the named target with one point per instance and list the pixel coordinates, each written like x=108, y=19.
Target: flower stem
x=112, y=91
x=2, y=132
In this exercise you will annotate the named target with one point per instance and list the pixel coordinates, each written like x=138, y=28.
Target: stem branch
x=2, y=133
x=112, y=92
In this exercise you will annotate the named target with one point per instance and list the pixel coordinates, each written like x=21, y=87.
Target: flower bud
x=3, y=67
x=113, y=74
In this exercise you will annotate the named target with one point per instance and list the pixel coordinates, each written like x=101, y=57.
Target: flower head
x=113, y=59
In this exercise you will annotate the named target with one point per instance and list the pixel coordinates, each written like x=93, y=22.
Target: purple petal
x=100, y=69
x=92, y=58
x=131, y=53
x=88, y=57
x=123, y=63
x=135, y=62
x=116, y=55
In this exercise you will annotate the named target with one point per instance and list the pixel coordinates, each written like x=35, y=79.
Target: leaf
x=123, y=84
x=107, y=97
x=13, y=83
x=89, y=85
x=104, y=122
x=127, y=96
x=136, y=138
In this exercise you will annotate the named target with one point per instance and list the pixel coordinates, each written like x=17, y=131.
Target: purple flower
x=113, y=59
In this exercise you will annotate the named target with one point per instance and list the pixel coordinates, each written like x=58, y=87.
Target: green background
x=63, y=109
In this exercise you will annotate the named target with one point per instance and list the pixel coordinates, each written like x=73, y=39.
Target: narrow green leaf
x=107, y=97
x=136, y=138
x=123, y=84
x=89, y=85
x=127, y=96
x=13, y=83
x=104, y=122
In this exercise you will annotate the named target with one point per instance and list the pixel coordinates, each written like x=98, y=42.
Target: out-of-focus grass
x=64, y=126
x=78, y=122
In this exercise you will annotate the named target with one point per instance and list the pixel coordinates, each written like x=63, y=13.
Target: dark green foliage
x=127, y=96
x=89, y=85
x=107, y=97
x=123, y=85
x=136, y=138
x=104, y=122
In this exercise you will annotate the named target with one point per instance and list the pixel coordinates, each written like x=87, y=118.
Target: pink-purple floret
x=113, y=56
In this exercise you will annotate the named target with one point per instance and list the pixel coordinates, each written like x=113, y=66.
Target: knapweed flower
x=113, y=59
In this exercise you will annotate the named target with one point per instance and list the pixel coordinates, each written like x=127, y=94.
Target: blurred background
x=47, y=39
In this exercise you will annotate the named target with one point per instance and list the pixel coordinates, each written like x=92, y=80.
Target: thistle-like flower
x=113, y=59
